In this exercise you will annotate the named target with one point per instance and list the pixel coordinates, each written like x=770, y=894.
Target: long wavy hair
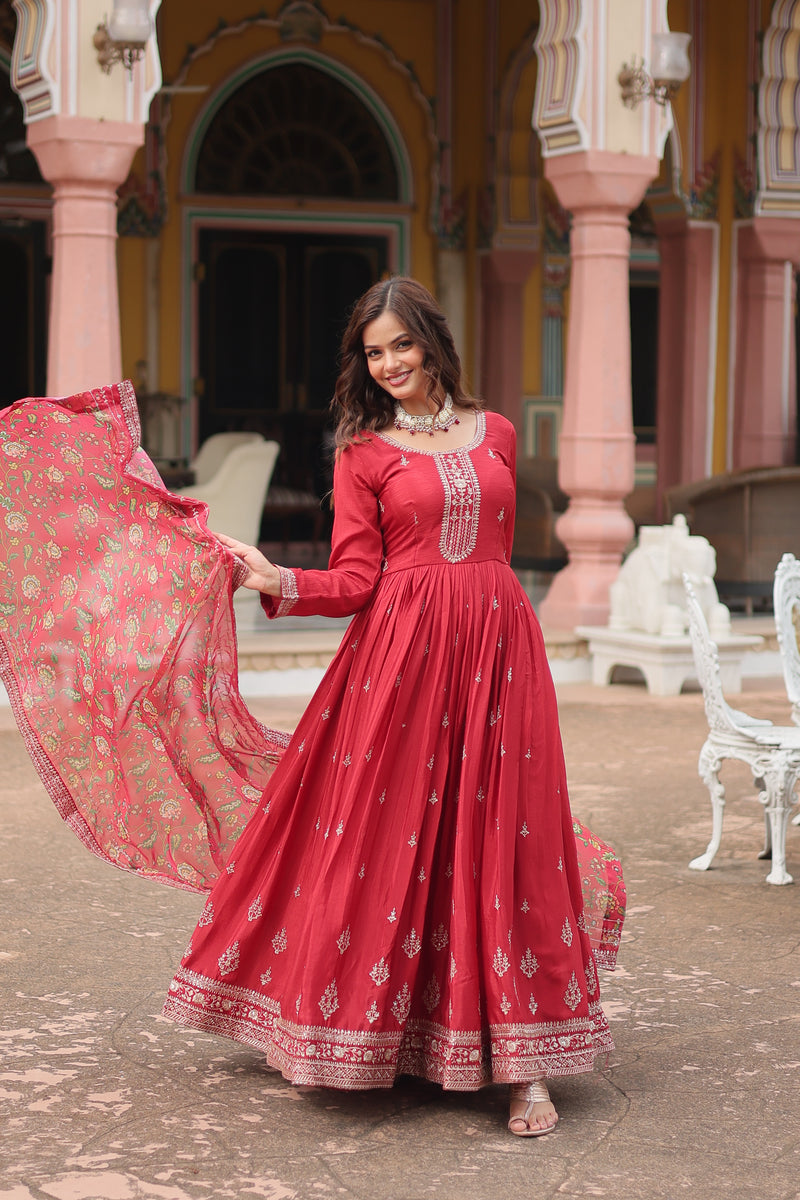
x=360, y=404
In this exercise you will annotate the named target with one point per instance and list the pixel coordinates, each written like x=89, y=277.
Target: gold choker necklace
x=426, y=422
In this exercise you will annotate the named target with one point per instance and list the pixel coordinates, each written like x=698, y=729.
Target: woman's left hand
x=264, y=575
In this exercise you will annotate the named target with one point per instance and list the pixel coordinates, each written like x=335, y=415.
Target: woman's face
x=395, y=362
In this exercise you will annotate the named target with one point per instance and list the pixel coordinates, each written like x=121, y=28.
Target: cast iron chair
x=786, y=602
x=772, y=752
x=786, y=598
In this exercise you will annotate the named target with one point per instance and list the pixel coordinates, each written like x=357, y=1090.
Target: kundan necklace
x=426, y=422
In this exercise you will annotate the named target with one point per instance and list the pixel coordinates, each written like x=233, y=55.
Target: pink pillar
x=85, y=160
x=764, y=420
x=687, y=303
x=596, y=459
x=503, y=277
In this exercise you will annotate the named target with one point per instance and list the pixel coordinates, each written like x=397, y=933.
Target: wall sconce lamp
x=123, y=36
x=669, y=69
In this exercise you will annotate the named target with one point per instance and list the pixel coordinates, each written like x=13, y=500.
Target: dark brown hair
x=361, y=405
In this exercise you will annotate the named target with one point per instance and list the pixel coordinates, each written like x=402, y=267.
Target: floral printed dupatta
x=117, y=643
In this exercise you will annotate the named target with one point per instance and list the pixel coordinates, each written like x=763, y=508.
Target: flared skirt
x=408, y=896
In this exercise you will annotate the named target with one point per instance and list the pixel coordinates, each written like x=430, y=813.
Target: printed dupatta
x=118, y=645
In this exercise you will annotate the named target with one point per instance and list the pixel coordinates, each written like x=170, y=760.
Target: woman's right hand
x=264, y=576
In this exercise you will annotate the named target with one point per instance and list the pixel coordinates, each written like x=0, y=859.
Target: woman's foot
x=532, y=1111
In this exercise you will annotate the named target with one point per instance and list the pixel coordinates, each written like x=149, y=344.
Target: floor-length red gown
x=407, y=896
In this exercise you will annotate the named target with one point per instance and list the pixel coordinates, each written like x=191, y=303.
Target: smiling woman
x=400, y=887
x=411, y=895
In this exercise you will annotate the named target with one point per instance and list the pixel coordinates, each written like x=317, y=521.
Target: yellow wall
x=524, y=146
x=133, y=303
x=407, y=29
x=469, y=151
x=725, y=131
x=720, y=80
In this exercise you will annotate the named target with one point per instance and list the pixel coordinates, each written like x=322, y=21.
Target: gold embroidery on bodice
x=462, y=504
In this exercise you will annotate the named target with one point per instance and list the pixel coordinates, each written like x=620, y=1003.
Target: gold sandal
x=530, y=1094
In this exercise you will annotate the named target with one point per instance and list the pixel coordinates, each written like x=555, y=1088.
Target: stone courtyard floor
x=102, y=1099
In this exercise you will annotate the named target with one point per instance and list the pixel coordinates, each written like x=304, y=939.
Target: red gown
x=407, y=897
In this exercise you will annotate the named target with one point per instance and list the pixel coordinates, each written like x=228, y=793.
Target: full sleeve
x=356, y=552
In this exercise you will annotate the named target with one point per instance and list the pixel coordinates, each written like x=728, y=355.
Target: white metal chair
x=772, y=753
x=786, y=604
x=236, y=493
x=786, y=599
x=214, y=451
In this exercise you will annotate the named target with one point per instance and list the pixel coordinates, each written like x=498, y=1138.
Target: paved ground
x=100, y=1099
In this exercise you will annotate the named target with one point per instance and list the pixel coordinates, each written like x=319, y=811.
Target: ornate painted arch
x=30, y=72
x=561, y=53
x=49, y=55
x=313, y=58
x=778, y=134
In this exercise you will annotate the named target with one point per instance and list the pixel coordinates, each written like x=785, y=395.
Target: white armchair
x=772, y=753
x=235, y=494
x=213, y=452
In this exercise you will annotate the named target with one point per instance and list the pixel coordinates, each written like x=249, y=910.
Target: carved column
x=764, y=418
x=596, y=466
x=503, y=278
x=84, y=127
x=687, y=297
x=86, y=161
x=599, y=156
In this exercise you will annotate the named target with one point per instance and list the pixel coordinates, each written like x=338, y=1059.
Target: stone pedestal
x=665, y=662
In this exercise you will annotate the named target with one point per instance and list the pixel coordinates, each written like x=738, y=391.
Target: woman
x=407, y=898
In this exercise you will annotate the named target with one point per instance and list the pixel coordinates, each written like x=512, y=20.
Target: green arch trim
x=266, y=62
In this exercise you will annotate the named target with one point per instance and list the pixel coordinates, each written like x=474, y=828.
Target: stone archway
x=305, y=140
x=294, y=129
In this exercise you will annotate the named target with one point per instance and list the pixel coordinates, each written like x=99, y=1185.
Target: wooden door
x=273, y=307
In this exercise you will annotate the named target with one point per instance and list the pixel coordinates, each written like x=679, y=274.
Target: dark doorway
x=272, y=309
x=23, y=266
x=644, y=360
